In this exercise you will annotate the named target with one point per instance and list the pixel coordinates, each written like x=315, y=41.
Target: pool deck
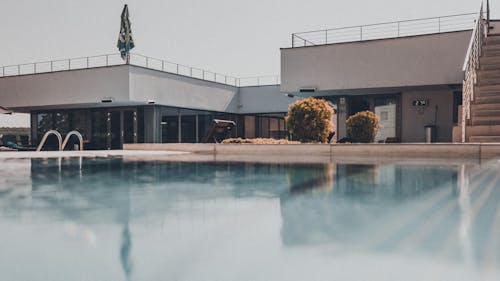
x=437, y=153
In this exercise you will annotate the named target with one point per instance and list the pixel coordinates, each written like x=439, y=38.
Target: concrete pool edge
x=439, y=153
x=479, y=151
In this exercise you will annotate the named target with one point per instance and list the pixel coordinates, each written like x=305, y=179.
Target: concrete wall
x=179, y=91
x=414, y=119
x=65, y=88
x=409, y=61
x=263, y=99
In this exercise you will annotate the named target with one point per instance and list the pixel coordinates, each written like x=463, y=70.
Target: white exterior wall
x=179, y=91
x=87, y=86
x=402, y=62
x=414, y=119
x=263, y=99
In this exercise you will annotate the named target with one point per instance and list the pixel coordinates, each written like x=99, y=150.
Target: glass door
x=129, y=126
x=386, y=110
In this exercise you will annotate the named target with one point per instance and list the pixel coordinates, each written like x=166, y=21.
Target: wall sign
x=420, y=103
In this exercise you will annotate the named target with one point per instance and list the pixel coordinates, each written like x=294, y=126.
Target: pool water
x=117, y=219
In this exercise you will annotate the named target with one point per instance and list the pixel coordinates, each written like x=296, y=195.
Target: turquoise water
x=114, y=219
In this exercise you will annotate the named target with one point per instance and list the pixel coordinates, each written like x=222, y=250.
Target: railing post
x=191, y=71
x=69, y=64
x=225, y=79
x=51, y=66
x=34, y=67
x=439, y=25
x=398, y=27
x=203, y=74
x=87, y=62
x=147, y=62
x=360, y=33
x=258, y=81
x=293, y=40
x=162, y=65
x=326, y=36
x=18, y=69
x=3, y=71
x=177, y=71
x=107, y=60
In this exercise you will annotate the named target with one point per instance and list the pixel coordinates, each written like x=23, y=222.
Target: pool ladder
x=62, y=144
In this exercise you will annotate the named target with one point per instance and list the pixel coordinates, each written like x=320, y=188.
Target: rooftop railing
x=385, y=30
x=136, y=60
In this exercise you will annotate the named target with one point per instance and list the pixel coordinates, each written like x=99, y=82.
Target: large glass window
x=45, y=122
x=99, y=139
x=188, y=126
x=62, y=122
x=81, y=122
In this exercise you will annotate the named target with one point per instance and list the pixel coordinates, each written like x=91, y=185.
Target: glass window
x=188, y=128
x=62, y=122
x=45, y=122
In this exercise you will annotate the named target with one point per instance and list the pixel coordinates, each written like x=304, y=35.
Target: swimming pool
x=118, y=219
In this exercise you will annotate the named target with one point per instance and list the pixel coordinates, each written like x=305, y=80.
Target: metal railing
x=135, y=60
x=471, y=65
x=68, y=136
x=385, y=30
x=46, y=135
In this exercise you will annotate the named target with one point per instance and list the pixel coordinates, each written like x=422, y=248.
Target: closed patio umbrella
x=4, y=110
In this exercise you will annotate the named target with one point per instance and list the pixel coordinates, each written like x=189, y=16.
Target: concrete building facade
x=411, y=81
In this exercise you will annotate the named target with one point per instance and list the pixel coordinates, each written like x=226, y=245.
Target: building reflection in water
x=431, y=209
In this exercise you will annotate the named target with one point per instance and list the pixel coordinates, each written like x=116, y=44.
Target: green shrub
x=362, y=126
x=309, y=120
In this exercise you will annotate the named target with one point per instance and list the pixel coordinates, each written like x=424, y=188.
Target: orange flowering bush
x=362, y=126
x=309, y=120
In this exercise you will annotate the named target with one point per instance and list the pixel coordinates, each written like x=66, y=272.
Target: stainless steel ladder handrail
x=76, y=133
x=46, y=135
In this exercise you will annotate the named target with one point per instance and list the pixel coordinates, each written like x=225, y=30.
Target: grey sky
x=240, y=38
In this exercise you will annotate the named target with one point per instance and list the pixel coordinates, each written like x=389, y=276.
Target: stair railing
x=470, y=67
x=73, y=133
x=46, y=135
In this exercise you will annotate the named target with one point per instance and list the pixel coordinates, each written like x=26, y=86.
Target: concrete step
x=490, y=74
x=483, y=130
x=487, y=66
x=489, y=139
x=485, y=112
x=485, y=120
x=487, y=90
x=486, y=99
x=491, y=50
x=485, y=106
x=488, y=81
x=495, y=60
x=493, y=39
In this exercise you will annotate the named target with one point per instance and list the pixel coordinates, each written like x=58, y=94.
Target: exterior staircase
x=484, y=122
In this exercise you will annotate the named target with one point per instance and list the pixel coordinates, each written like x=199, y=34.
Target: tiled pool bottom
x=114, y=219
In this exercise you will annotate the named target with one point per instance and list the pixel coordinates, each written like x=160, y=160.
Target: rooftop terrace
x=386, y=30
x=136, y=60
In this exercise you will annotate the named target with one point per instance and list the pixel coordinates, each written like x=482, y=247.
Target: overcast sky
x=239, y=38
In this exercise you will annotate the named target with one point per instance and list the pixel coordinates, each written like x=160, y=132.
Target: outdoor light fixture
x=107, y=100
x=151, y=102
x=307, y=90
x=289, y=95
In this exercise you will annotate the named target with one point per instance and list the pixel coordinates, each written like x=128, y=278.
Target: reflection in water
x=125, y=252
x=194, y=220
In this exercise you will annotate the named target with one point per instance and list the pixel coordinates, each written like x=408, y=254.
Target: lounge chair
x=218, y=131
